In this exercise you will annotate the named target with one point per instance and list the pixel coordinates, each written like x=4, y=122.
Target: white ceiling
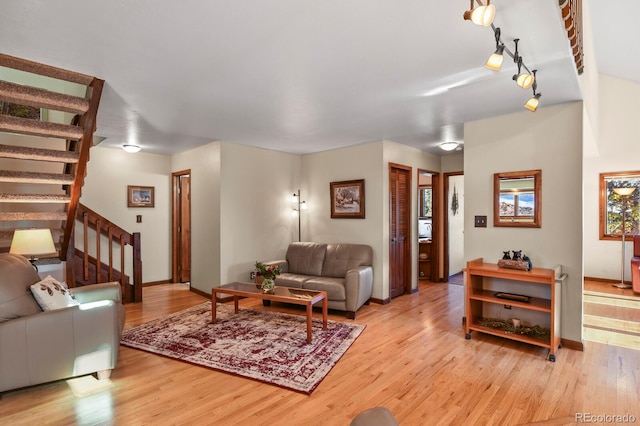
x=297, y=75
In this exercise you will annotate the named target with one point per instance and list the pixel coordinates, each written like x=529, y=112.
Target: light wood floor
x=412, y=358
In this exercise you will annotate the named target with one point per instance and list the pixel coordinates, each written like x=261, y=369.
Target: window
x=426, y=205
x=619, y=212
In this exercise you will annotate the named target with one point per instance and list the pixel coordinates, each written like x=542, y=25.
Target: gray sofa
x=344, y=271
x=42, y=346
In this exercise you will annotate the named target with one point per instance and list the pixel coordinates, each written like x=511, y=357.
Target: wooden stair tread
x=26, y=126
x=37, y=154
x=35, y=177
x=42, y=98
x=34, y=198
x=14, y=216
x=46, y=70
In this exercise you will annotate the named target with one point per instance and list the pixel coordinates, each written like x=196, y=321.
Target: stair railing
x=116, y=237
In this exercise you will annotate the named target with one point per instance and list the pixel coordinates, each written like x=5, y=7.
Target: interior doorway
x=454, y=226
x=181, y=226
x=428, y=242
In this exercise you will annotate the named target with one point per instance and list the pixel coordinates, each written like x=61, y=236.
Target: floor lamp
x=624, y=194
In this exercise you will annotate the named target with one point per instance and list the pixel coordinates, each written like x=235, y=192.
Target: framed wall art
x=140, y=196
x=347, y=199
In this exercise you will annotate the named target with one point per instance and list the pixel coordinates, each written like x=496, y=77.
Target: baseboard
x=605, y=280
x=572, y=344
x=200, y=292
x=149, y=284
x=380, y=301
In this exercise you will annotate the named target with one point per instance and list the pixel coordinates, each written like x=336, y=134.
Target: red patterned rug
x=261, y=345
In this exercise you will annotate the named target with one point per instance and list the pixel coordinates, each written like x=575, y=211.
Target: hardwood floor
x=412, y=358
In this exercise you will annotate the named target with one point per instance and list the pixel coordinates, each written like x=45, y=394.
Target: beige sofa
x=42, y=346
x=344, y=271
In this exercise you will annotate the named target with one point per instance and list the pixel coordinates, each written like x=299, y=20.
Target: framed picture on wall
x=140, y=196
x=347, y=199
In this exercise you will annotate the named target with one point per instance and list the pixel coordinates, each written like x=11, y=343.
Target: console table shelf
x=477, y=296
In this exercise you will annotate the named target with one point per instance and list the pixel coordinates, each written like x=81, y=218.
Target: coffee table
x=296, y=296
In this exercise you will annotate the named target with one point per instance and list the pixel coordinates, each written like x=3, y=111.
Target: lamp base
x=622, y=285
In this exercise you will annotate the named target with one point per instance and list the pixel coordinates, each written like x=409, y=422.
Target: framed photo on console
x=140, y=196
x=347, y=199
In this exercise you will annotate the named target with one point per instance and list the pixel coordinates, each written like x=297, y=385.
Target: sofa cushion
x=333, y=286
x=291, y=280
x=306, y=258
x=16, y=276
x=342, y=257
x=51, y=294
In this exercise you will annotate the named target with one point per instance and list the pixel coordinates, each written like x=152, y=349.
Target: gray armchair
x=41, y=346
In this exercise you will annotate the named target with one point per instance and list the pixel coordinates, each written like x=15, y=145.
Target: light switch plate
x=481, y=222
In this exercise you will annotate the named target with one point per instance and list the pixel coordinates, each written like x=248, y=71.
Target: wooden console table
x=477, y=296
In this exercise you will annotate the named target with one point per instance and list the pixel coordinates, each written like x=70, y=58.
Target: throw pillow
x=51, y=294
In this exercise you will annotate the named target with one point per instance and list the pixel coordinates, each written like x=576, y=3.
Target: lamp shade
x=495, y=60
x=624, y=192
x=525, y=80
x=483, y=15
x=532, y=103
x=32, y=242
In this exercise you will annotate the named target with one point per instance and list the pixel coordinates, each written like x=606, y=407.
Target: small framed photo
x=140, y=196
x=347, y=199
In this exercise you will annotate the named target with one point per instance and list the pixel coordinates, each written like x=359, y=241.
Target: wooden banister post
x=137, y=268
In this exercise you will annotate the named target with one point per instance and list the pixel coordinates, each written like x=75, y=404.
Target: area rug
x=267, y=346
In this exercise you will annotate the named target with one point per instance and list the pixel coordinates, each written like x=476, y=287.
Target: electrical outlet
x=507, y=306
x=252, y=275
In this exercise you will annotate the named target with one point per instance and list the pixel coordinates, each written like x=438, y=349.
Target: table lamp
x=31, y=243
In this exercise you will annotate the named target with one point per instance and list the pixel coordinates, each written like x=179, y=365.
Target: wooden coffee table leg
x=213, y=307
x=235, y=303
x=325, y=312
x=309, y=321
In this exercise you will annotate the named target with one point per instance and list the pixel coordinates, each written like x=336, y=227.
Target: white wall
x=105, y=191
x=456, y=225
x=550, y=140
x=619, y=151
x=204, y=163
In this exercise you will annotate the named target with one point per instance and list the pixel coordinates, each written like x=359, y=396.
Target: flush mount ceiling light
x=480, y=15
x=448, y=146
x=131, y=148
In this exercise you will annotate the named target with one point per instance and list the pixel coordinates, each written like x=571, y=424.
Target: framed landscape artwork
x=140, y=196
x=347, y=199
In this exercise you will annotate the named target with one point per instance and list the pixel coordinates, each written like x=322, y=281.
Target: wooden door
x=181, y=270
x=399, y=230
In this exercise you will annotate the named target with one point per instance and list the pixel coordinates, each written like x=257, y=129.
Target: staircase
x=47, y=121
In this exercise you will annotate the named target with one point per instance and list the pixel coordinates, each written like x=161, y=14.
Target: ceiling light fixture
x=131, y=148
x=532, y=103
x=448, y=146
x=495, y=60
x=481, y=15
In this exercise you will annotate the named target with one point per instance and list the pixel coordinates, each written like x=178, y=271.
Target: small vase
x=268, y=285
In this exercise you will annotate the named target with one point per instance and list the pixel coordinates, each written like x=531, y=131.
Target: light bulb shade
x=495, y=60
x=532, y=103
x=303, y=205
x=483, y=15
x=624, y=192
x=448, y=146
x=525, y=80
x=131, y=148
x=32, y=242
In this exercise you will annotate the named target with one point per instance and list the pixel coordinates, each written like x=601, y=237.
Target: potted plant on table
x=269, y=274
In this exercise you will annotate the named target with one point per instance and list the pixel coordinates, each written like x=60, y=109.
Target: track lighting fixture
x=495, y=60
x=480, y=15
x=524, y=77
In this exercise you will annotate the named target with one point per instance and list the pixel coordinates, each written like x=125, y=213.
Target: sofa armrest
x=284, y=265
x=96, y=292
x=358, y=287
x=57, y=344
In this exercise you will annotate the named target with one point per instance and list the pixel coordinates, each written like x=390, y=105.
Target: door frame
x=435, y=223
x=408, y=241
x=175, y=204
x=445, y=222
